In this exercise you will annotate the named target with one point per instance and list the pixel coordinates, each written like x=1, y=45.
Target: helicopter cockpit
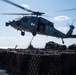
x=18, y=18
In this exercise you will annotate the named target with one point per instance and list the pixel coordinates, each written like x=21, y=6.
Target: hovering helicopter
x=34, y=23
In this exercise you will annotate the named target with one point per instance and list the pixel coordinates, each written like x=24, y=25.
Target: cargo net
x=34, y=65
x=44, y=65
x=39, y=64
x=31, y=64
x=68, y=64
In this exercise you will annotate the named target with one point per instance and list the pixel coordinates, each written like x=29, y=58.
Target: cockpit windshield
x=18, y=18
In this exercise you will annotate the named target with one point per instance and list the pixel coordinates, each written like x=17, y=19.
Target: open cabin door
x=40, y=27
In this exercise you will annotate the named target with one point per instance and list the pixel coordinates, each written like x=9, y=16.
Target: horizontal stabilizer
x=72, y=36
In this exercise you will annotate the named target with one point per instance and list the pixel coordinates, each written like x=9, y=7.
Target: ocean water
x=3, y=71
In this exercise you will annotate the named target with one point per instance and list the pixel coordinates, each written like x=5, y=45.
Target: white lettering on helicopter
x=32, y=24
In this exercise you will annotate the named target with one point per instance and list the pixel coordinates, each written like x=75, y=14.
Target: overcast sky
x=10, y=37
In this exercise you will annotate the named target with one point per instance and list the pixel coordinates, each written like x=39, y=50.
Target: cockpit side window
x=18, y=18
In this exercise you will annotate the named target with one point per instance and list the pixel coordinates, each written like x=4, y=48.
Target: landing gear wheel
x=22, y=33
x=34, y=33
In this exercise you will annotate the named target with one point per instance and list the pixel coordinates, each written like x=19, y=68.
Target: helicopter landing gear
x=22, y=33
x=34, y=33
x=62, y=41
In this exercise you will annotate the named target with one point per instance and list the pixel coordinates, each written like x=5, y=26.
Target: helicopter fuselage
x=37, y=25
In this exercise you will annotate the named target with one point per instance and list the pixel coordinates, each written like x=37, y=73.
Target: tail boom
x=72, y=36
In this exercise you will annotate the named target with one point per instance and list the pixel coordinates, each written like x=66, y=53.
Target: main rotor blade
x=67, y=10
x=17, y=14
x=17, y=5
x=33, y=12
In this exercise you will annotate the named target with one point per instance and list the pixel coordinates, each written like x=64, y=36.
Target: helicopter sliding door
x=40, y=27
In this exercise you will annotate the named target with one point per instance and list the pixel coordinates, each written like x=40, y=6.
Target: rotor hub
x=38, y=13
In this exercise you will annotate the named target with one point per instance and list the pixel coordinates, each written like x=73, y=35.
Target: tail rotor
x=72, y=24
x=71, y=28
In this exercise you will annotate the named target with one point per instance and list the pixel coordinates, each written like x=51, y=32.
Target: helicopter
x=34, y=23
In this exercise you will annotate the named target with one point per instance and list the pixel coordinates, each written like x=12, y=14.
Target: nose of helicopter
x=13, y=23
